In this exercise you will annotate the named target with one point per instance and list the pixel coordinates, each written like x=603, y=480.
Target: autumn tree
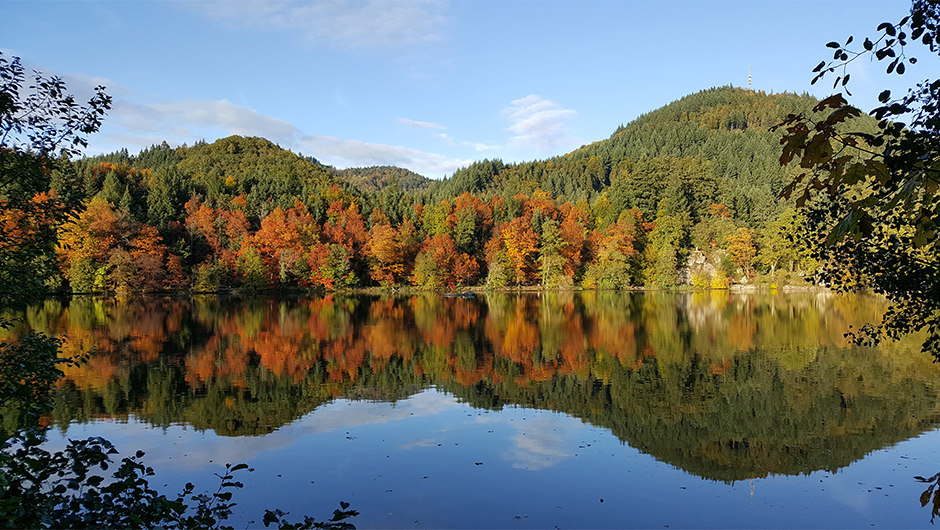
x=343, y=239
x=385, y=249
x=572, y=231
x=282, y=244
x=27, y=238
x=521, y=248
x=439, y=264
x=215, y=238
x=106, y=250
x=742, y=250
x=612, y=266
x=712, y=231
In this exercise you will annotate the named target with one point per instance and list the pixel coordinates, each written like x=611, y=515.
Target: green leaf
x=832, y=44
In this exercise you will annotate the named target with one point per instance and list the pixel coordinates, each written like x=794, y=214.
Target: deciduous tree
x=874, y=195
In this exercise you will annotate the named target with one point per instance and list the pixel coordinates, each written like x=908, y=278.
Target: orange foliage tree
x=742, y=250
x=385, y=249
x=521, y=244
x=27, y=238
x=104, y=250
x=439, y=264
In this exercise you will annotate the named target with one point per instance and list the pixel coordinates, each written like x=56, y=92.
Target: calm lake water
x=569, y=410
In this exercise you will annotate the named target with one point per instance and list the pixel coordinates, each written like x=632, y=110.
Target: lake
x=536, y=410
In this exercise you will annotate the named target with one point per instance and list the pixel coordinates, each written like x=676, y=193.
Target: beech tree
x=875, y=195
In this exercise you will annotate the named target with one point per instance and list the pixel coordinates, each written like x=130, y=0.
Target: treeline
x=684, y=195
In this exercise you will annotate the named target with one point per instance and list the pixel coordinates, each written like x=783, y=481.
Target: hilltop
x=717, y=142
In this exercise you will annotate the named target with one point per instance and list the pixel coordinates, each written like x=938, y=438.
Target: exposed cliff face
x=706, y=270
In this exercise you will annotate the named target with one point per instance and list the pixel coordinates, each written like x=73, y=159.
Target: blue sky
x=426, y=85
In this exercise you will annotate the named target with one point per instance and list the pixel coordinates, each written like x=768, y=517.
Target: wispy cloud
x=539, y=123
x=355, y=153
x=421, y=124
x=191, y=120
x=479, y=146
x=223, y=115
x=360, y=25
x=448, y=139
x=539, y=447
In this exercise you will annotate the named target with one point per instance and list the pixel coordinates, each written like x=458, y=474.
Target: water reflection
x=726, y=386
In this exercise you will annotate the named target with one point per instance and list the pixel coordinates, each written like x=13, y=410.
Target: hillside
x=695, y=180
x=377, y=178
x=712, y=146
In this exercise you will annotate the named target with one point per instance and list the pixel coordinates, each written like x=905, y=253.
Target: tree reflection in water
x=726, y=386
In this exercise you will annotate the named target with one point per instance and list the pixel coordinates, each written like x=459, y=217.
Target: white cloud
x=539, y=447
x=361, y=25
x=235, y=119
x=478, y=146
x=355, y=153
x=83, y=85
x=421, y=124
x=539, y=123
x=192, y=120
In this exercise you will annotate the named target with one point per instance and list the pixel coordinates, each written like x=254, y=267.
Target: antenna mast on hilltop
x=749, y=76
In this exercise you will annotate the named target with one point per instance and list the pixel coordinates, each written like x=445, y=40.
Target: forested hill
x=695, y=180
x=155, y=184
x=376, y=178
x=714, y=146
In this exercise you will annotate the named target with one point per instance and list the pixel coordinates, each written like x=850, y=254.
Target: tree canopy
x=874, y=194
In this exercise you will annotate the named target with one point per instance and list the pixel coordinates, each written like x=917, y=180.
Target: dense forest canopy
x=686, y=194
x=376, y=178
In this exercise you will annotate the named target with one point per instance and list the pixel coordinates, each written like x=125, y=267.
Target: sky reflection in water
x=429, y=461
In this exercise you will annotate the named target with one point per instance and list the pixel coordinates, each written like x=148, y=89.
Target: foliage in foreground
x=67, y=489
x=875, y=195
